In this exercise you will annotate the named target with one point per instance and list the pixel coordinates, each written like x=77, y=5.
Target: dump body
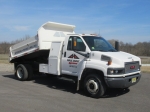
x=47, y=33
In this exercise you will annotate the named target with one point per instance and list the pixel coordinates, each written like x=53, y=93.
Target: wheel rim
x=92, y=86
x=20, y=72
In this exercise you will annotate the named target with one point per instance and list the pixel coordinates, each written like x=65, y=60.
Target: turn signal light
x=109, y=62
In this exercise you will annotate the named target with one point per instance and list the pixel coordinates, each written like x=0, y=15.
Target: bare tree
x=139, y=49
x=21, y=39
x=4, y=46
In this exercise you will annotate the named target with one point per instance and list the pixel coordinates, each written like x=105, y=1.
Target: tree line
x=4, y=46
x=139, y=49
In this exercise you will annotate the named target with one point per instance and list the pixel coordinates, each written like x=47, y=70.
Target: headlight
x=115, y=71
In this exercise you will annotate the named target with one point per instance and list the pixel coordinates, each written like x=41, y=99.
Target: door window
x=80, y=44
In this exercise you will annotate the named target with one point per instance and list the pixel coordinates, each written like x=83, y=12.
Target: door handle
x=65, y=54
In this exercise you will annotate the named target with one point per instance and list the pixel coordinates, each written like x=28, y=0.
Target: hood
x=123, y=56
x=117, y=57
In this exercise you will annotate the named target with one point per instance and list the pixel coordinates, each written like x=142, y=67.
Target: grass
x=145, y=60
x=4, y=58
x=145, y=69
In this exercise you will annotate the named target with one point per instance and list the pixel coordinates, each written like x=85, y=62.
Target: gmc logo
x=132, y=67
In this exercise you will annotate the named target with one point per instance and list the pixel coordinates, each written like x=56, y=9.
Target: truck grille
x=132, y=67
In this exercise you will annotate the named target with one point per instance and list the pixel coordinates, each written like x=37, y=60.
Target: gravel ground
x=6, y=67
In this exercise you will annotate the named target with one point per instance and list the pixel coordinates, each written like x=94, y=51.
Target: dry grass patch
x=4, y=58
x=145, y=60
x=145, y=69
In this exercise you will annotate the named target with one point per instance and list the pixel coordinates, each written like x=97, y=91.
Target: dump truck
x=91, y=61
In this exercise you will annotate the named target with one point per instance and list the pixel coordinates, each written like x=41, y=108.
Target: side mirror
x=74, y=43
x=117, y=45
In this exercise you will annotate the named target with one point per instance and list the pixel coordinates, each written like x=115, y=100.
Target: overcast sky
x=124, y=20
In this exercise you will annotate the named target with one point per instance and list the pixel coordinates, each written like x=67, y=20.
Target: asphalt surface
x=56, y=95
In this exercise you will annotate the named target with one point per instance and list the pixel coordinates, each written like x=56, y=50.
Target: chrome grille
x=132, y=67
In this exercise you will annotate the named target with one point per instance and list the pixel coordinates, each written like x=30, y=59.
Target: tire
x=30, y=72
x=23, y=72
x=94, y=86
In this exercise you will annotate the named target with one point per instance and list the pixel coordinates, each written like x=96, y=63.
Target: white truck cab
x=91, y=60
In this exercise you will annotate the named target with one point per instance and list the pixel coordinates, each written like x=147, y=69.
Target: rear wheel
x=24, y=72
x=94, y=85
x=30, y=72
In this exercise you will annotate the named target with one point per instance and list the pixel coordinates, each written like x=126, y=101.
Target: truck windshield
x=98, y=44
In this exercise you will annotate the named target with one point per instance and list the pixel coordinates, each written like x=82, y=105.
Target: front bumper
x=122, y=82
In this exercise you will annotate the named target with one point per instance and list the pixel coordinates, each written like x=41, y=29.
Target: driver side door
x=72, y=62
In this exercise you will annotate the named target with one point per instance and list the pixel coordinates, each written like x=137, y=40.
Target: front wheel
x=94, y=85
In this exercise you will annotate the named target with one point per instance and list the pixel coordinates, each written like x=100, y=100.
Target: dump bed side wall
x=28, y=46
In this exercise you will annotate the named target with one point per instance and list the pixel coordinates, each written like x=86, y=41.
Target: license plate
x=133, y=80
